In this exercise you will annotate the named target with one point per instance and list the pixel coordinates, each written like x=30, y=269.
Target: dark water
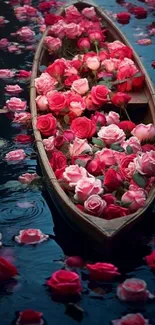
x=36, y=264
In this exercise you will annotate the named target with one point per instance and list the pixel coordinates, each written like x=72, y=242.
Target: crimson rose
x=115, y=211
x=46, y=124
x=58, y=160
x=83, y=128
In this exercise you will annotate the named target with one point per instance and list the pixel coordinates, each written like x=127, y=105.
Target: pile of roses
x=104, y=162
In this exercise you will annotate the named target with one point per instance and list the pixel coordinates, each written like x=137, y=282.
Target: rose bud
x=131, y=319
x=120, y=99
x=112, y=180
x=74, y=261
x=94, y=205
x=98, y=118
x=123, y=17
x=83, y=44
x=133, y=290
x=102, y=271
x=65, y=282
x=127, y=126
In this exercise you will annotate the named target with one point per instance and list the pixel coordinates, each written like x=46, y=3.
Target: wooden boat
x=102, y=233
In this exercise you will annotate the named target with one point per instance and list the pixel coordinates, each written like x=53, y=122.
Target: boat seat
x=138, y=98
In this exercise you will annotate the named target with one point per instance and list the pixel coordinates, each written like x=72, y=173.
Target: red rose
x=95, y=167
x=29, y=316
x=112, y=180
x=123, y=17
x=140, y=12
x=102, y=271
x=103, y=55
x=74, y=261
x=7, y=270
x=59, y=172
x=121, y=53
x=56, y=69
x=23, y=138
x=99, y=118
x=65, y=282
x=148, y=147
x=77, y=64
x=120, y=99
x=150, y=260
x=99, y=95
x=59, y=141
x=83, y=43
x=83, y=128
x=51, y=19
x=58, y=160
x=109, y=198
x=23, y=74
x=46, y=124
x=80, y=207
x=126, y=72
x=96, y=36
x=45, y=6
x=69, y=80
x=115, y=211
x=56, y=101
x=127, y=125
x=124, y=166
x=138, y=82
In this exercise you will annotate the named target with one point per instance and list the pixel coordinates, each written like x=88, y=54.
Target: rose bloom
x=23, y=74
x=94, y=205
x=74, y=261
x=53, y=44
x=109, y=198
x=73, y=30
x=127, y=125
x=78, y=147
x=23, y=138
x=134, y=143
x=120, y=99
x=83, y=127
x=27, y=178
x=121, y=53
x=110, y=65
x=72, y=14
x=64, y=282
x=96, y=36
x=16, y=104
x=123, y=17
x=144, y=132
x=75, y=103
x=111, y=134
x=80, y=86
x=15, y=155
x=58, y=29
x=30, y=316
x=140, y=12
x=6, y=73
x=112, y=118
x=136, y=199
x=25, y=33
x=13, y=89
x=68, y=135
x=98, y=118
x=99, y=94
x=58, y=160
x=144, y=41
x=102, y=271
x=42, y=103
x=93, y=63
x=83, y=44
x=150, y=260
x=95, y=167
x=133, y=290
x=56, y=101
x=148, y=147
x=89, y=13
x=22, y=118
x=126, y=168
x=107, y=157
x=56, y=69
x=114, y=45
x=145, y=163
x=86, y=187
x=46, y=124
x=7, y=270
x=69, y=80
x=115, y=211
x=127, y=71
x=73, y=174
x=131, y=319
x=45, y=83
x=49, y=143
x=89, y=104
x=4, y=43
x=112, y=180
x=31, y=236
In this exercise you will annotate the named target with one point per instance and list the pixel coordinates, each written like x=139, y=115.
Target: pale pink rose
x=114, y=45
x=110, y=65
x=112, y=118
x=126, y=62
x=119, y=156
x=42, y=103
x=133, y=290
x=25, y=34
x=49, y=143
x=31, y=236
x=86, y=187
x=95, y=205
x=80, y=86
x=42, y=28
x=73, y=174
x=107, y=156
x=145, y=163
x=76, y=103
x=13, y=89
x=53, y=44
x=4, y=43
x=144, y=41
x=111, y=134
x=27, y=178
x=58, y=29
x=22, y=118
x=89, y=13
x=45, y=83
x=71, y=71
x=144, y=132
x=93, y=63
x=136, y=199
x=15, y=155
x=6, y=73
x=16, y=104
x=79, y=146
x=73, y=30
x=131, y=319
x=134, y=143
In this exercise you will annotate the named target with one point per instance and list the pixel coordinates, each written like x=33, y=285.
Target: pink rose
x=86, y=187
x=15, y=155
x=58, y=29
x=110, y=65
x=4, y=43
x=30, y=316
x=31, y=236
x=96, y=36
x=89, y=13
x=68, y=135
x=53, y=44
x=93, y=63
x=25, y=34
x=145, y=163
x=27, y=178
x=99, y=94
x=112, y=118
x=83, y=127
x=42, y=103
x=73, y=174
x=99, y=118
x=64, y=282
x=13, y=89
x=69, y=80
x=95, y=205
x=83, y=44
x=102, y=271
x=73, y=30
x=78, y=147
x=22, y=118
x=6, y=73
x=115, y=45
x=131, y=319
x=57, y=101
x=107, y=157
x=45, y=83
x=144, y=132
x=80, y=86
x=72, y=14
x=144, y=41
x=127, y=166
x=49, y=143
x=16, y=104
x=76, y=104
x=134, y=143
x=136, y=199
x=111, y=134
x=133, y=290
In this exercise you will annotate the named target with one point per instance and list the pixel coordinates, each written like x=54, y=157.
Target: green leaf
x=117, y=147
x=129, y=150
x=80, y=162
x=101, y=177
x=124, y=204
x=106, y=83
x=98, y=142
x=139, y=180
